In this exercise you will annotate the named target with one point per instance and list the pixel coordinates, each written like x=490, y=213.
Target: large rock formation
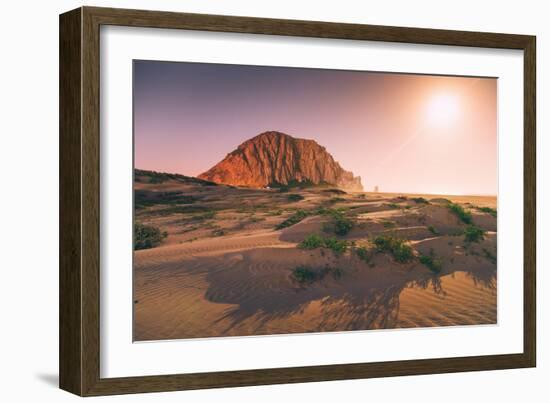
x=277, y=158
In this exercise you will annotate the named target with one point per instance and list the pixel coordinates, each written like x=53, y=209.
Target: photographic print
x=279, y=200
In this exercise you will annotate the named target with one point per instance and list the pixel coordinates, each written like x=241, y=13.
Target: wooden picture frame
x=79, y=201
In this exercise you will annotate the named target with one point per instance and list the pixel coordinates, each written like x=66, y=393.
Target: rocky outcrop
x=277, y=158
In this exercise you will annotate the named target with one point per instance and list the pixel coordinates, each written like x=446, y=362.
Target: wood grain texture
x=80, y=195
x=90, y=201
x=70, y=271
x=317, y=29
x=530, y=202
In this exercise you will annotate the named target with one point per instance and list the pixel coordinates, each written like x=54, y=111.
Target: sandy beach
x=231, y=261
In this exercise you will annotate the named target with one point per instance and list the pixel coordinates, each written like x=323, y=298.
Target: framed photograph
x=251, y=201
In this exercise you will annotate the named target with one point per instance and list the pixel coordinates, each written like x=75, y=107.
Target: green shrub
x=488, y=210
x=364, y=254
x=147, y=236
x=160, y=177
x=398, y=248
x=336, y=245
x=329, y=211
x=464, y=215
x=293, y=219
x=433, y=230
x=285, y=187
x=147, y=198
x=473, y=234
x=392, y=205
x=295, y=197
x=335, y=191
x=304, y=274
x=341, y=224
x=431, y=262
x=312, y=241
x=420, y=200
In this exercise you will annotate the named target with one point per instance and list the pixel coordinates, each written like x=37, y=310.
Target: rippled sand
x=196, y=285
x=251, y=292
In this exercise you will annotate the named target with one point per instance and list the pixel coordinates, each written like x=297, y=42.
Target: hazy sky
x=404, y=133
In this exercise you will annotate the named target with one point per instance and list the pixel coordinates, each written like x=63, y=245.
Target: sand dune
x=252, y=292
x=231, y=273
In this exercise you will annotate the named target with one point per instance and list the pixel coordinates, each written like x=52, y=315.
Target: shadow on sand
x=353, y=302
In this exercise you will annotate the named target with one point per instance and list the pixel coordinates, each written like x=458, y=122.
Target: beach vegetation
x=295, y=218
x=473, y=233
x=335, y=191
x=462, y=214
x=306, y=275
x=420, y=200
x=398, y=248
x=147, y=236
x=314, y=241
x=488, y=210
x=341, y=225
x=336, y=245
x=161, y=177
x=295, y=197
x=145, y=198
x=431, y=262
x=364, y=253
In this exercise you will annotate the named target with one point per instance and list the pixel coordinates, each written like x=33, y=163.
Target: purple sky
x=404, y=133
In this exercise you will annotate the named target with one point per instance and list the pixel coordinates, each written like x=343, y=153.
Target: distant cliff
x=277, y=158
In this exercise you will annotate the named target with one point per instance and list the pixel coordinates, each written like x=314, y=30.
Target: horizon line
x=365, y=191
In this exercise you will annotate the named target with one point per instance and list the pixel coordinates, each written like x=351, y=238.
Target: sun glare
x=442, y=110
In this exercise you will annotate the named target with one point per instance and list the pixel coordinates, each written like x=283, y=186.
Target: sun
x=442, y=109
